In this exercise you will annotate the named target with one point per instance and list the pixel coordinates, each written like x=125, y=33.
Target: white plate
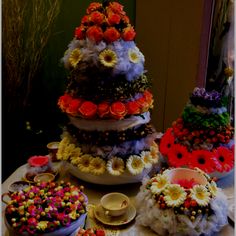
x=100, y=215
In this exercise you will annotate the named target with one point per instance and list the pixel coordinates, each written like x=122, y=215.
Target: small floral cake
x=202, y=137
x=108, y=97
x=45, y=207
x=91, y=232
x=182, y=202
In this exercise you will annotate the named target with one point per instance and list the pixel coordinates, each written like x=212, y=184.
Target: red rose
x=80, y=32
x=118, y=110
x=93, y=7
x=97, y=17
x=85, y=20
x=128, y=33
x=143, y=104
x=126, y=19
x=113, y=18
x=111, y=34
x=116, y=7
x=103, y=109
x=133, y=108
x=88, y=109
x=148, y=96
x=64, y=101
x=73, y=107
x=95, y=33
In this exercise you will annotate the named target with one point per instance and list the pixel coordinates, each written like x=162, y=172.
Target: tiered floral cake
x=202, y=137
x=108, y=99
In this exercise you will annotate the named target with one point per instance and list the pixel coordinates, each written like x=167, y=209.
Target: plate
x=99, y=214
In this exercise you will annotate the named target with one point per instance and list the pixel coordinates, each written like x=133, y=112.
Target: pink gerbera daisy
x=225, y=159
x=178, y=155
x=203, y=159
x=166, y=142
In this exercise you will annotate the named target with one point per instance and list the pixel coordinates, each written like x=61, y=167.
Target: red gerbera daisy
x=166, y=142
x=178, y=155
x=225, y=159
x=202, y=159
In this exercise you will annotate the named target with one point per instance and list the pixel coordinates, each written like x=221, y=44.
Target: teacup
x=115, y=204
x=52, y=149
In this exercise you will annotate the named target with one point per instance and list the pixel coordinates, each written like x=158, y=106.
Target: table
x=95, y=192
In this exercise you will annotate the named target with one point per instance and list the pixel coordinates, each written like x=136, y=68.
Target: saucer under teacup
x=127, y=217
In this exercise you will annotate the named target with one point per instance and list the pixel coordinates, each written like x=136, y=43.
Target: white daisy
x=97, y=166
x=175, y=195
x=154, y=151
x=160, y=182
x=115, y=166
x=133, y=55
x=212, y=188
x=147, y=159
x=200, y=194
x=85, y=163
x=135, y=164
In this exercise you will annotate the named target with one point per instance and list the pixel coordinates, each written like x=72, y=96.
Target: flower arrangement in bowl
x=181, y=201
x=202, y=137
x=46, y=208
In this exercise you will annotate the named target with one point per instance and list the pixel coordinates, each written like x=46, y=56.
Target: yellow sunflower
x=97, y=166
x=160, y=182
x=200, y=194
x=75, y=57
x=108, y=58
x=115, y=166
x=135, y=164
x=85, y=163
x=174, y=195
x=133, y=56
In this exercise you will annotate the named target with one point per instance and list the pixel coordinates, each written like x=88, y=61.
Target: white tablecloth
x=95, y=192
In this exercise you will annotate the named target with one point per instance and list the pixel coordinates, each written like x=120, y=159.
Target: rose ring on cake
x=182, y=202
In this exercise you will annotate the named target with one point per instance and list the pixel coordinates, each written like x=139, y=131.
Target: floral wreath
x=116, y=110
x=103, y=89
x=110, y=137
x=45, y=207
x=116, y=165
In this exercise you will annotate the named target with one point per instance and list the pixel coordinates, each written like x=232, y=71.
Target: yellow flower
x=200, y=194
x=75, y=57
x=108, y=58
x=97, y=166
x=154, y=151
x=160, y=182
x=213, y=188
x=42, y=225
x=61, y=147
x=73, y=215
x=174, y=195
x=135, y=164
x=147, y=159
x=75, y=160
x=85, y=163
x=115, y=166
x=133, y=56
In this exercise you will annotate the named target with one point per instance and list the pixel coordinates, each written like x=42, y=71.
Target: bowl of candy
x=46, y=209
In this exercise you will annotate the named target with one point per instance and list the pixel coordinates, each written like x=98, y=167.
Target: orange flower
x=126, y=19
x=116, y=7
x=64, y=101
x=80, y=32
x=133, y=108
x=88, y=109
x=95, y=33
x=111, y=34
x=118, y=110
x=113, y=18
x=93, y=7
x=73, y=107
x=85, y=20
x=148, y=97
x=143, y=104
x=128, y=33
x=97, y=17
x=103, y=109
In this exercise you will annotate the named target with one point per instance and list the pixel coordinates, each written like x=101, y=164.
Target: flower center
x=201, y=160
x=179, y=155
x=108, y=58
x=168, y=145
x=221, y=158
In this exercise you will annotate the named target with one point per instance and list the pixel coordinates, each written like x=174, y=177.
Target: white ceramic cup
x=115, y=204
